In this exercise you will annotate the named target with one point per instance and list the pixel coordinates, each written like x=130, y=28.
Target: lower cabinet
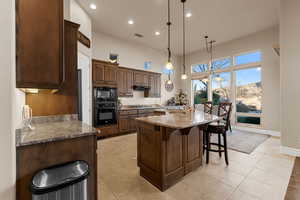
x=126, y=122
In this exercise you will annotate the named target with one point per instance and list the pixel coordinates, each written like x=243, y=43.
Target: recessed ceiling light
x=188, y=15
x=93, y=6
x=130, y=22
x=157, y=33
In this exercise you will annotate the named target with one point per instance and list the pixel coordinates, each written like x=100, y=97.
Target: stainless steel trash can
x=63, y=182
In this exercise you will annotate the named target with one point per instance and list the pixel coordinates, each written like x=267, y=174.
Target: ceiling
x=221, y=20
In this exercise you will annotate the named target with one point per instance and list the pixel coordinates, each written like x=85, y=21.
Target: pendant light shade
x=184, y=75
x=169, y=66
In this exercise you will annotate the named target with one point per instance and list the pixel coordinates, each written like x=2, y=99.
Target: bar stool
x=220, y=128
x=207, y=108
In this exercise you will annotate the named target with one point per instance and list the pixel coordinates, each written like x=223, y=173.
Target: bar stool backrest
x=208, y=107
x=224, y=110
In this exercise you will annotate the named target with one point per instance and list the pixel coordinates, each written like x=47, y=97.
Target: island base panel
x=166, y=155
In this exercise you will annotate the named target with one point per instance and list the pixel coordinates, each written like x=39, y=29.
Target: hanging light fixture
x=209, y=49
x=169, y=64
x=184, y=75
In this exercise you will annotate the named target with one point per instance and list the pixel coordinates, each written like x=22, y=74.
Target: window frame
x=232, y=69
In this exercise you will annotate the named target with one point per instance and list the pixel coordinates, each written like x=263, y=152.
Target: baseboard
x=290, y=151
x=256, y=130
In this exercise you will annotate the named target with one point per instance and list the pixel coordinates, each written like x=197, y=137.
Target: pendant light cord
x=169, y=32
x=183, y=9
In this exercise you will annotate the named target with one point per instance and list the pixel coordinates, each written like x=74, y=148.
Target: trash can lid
x=58, y=177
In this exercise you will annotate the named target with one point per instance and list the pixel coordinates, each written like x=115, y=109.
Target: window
x=199, y=68
x=248, y=95
x=221, y=87
x=235, y=79
x=247, y=58
x=222, y=63
x=200, y=91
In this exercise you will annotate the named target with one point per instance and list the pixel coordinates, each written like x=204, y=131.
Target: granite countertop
x=180, y=120
x=53, y=131
x=140, y=107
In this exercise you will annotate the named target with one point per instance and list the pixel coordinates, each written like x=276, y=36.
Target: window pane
x=222, y=63
x=199, y=68
x=221, y=87
x=248, y=58
x=248, y=90
x=248, y=120
x=200, y=91
x=168, y=71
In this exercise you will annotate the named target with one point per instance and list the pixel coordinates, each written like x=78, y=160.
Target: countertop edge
x=174, y=127
x=55, y=139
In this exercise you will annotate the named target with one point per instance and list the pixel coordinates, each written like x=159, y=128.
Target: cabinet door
x=157, y=83
x=141, y=78
x=132, y=124
x=129, y=83
x=121, y=74
x=124, y=124
x=110, y=75
x=39, y=44
x=98, y=73
x=152, y=86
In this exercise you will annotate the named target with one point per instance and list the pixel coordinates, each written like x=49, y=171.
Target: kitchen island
x=170, y=146
x=53, y=142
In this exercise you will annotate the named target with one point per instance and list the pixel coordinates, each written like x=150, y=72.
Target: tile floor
x=263, y=175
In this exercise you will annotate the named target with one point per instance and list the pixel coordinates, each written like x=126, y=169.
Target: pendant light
x=184, y=75
x=169, y=64
x=209, y=49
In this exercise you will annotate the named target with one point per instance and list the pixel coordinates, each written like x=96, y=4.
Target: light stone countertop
x=53, y=131
x=180, y=120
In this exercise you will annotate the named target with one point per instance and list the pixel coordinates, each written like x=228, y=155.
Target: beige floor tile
x=263, y=175
x=239, y=195
x=254, y=187
x=104, y=192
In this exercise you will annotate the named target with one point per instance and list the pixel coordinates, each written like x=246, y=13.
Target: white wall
x=133, y=55
x=289, y=71
x=7, y=79
x=263, y=41
x=74, y=13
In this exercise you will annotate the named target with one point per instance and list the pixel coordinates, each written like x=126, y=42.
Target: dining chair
x=220, y=128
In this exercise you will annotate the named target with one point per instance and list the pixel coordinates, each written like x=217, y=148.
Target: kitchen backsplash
x=138, y=98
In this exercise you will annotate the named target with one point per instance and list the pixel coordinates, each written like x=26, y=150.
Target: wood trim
x=84, y=39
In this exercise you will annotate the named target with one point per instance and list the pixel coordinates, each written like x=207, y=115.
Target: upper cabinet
x=104, y=73
x=141, y=78
x=39, y=44
x=155, y=86
x=125, y=82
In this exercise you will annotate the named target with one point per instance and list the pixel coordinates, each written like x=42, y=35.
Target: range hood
x=141, y=88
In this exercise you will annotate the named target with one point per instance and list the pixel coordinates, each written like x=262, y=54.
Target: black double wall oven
x=105, y=106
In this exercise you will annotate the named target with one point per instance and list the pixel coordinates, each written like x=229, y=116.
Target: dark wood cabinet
x=104, y=73
x=125, y=83
x=32, y=158
x=141, y=78
x=39, y=44
x=166, y=155
x=155, y=86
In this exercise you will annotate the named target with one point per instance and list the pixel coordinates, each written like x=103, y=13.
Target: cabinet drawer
x=128, y=112
x=146, y=111
x=108, y=130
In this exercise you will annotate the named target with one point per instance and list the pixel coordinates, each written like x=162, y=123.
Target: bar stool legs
x=221, y=148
